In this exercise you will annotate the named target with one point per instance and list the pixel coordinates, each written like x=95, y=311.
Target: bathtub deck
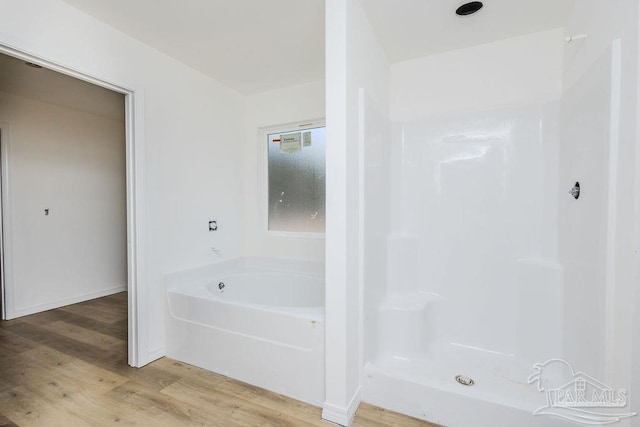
x=69, y=367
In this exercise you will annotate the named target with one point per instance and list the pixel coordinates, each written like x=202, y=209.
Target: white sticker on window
x=306, y=139
x=290, y=143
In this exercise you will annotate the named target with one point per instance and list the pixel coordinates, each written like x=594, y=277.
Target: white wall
x=355, y=61
x=72, y=163
x=278, y=107
x=603, y=22
x=189, y=133
x=513, y=72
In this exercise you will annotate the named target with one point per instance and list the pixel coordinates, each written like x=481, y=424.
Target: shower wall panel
x=375, y=145
x=586, y=144
x=475, y=202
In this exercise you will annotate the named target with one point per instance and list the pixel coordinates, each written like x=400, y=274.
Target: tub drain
x=461, y=379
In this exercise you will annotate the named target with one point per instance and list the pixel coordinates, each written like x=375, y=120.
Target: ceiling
x=409, y=29
x=258, y=45
x=55, y=88
x=249, y=45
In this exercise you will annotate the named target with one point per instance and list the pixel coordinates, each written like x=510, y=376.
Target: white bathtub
x=257, y=320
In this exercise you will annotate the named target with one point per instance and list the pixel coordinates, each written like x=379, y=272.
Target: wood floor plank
x=92, y=313
x=81, y=399
x=6, y=422
x=87, y=336
x=106, y=307
x=152, y=378
x=66, y=345
x=373, y=416
x=70, y=370
x=66, y=382
x=26, y=409
x=14, y=371
x=120, y=299
x=28, y=373
x=12, y=344
x=266, y=398
x=241, y=411
x=68, y=367
x=112, y=360
x=99, y=411
x=185, y=371
x=117, y=329
x=159, y=409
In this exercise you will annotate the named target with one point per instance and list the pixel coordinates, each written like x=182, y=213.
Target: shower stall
x=479, y=258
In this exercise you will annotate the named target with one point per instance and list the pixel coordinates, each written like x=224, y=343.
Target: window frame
x=263, y=176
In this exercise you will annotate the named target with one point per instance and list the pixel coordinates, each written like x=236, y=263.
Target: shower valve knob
x=575, y=191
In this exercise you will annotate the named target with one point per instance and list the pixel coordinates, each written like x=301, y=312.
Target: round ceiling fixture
x=32, y=65
x=469, y=8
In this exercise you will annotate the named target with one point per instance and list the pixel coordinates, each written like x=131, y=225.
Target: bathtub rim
x=237, y=262
x=194, y=282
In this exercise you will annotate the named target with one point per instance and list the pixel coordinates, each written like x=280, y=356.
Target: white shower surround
x=469, y=270
x=488, y=261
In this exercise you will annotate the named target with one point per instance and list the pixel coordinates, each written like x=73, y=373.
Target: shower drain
x=461, y=379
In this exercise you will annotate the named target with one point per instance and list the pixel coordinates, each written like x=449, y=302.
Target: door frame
x=4, y=143
x=138, y=353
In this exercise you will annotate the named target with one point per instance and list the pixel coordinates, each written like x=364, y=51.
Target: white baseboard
x=154, y=354
x=340, y=415
x=65, y=301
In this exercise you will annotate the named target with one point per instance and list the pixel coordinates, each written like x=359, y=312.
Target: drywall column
x=338, y=353
x=355, y=61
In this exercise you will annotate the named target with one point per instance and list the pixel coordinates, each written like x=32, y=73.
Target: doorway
x=131, y=185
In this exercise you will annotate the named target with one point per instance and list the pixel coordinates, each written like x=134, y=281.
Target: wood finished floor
x=68, y=367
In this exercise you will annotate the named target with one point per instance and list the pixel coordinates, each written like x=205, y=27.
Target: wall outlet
x=213, y=225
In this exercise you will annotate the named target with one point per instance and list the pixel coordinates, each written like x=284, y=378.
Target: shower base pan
x=427, y=389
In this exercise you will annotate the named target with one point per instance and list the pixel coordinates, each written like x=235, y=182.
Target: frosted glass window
x=297, y=180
